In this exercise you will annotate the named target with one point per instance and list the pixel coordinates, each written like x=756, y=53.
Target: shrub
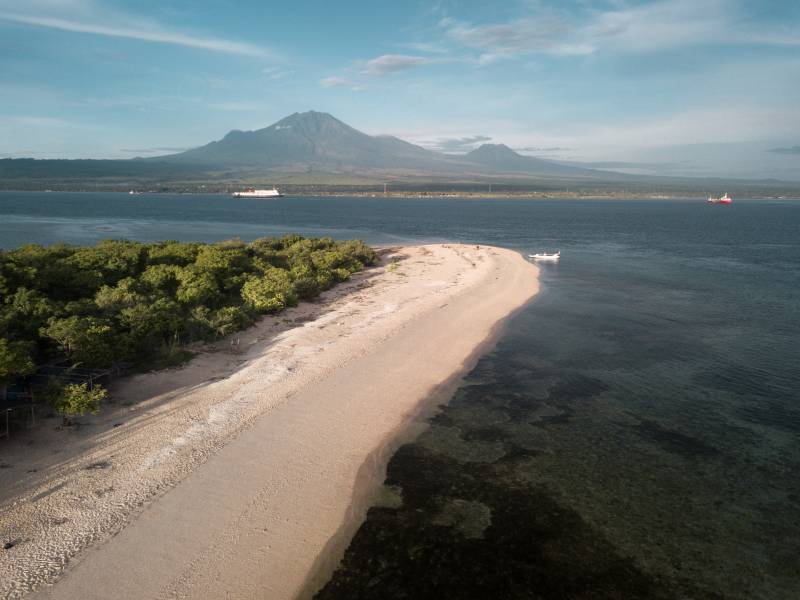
x=78, y=399
x=270, y=292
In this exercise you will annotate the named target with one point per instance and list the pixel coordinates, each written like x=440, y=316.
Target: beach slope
x=249, y=485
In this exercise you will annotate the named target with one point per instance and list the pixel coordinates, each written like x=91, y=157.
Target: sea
x=635, y=433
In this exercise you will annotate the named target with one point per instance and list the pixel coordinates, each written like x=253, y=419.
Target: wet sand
x=243, y=474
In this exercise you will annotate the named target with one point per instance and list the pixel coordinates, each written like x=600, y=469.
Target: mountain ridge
x=320, y=140
x=315, y=149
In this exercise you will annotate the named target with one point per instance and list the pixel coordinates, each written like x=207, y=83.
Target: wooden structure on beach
x=19, y=399
x=15, y=400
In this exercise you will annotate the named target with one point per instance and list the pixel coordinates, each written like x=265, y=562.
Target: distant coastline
x=423, y=193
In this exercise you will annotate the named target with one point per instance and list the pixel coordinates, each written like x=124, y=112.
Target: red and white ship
x=724, y=199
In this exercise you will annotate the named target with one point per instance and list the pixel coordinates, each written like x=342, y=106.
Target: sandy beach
x=244, y=473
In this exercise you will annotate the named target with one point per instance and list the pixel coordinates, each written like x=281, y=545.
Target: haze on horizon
x=673, y=87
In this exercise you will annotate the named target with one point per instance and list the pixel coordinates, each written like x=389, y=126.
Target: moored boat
x=544, y=257
x=257, y=193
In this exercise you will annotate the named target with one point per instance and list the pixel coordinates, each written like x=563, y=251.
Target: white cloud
x=87, y=17
x=660, y=25
x=390, y=63
x=331, y=82
x=649, y=27
x=619, y=139
x=41, y=122
x=274, y=73
x=457, y=145
x=156, y=150
x=522, y=35
x=335, y=82
x=428, y=47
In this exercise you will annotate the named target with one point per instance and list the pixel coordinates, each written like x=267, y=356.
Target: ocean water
x=634, y=434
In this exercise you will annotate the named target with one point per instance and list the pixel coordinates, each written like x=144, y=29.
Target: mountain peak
x=310, y=122
x=497, y=150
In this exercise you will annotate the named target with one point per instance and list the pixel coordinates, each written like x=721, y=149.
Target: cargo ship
x=724, y=199
x=254, y=193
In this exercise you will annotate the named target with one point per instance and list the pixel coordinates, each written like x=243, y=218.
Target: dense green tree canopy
x=128, y=301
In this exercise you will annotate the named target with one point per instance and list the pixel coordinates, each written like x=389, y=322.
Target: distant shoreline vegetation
x=140, y=303
x=550, y=190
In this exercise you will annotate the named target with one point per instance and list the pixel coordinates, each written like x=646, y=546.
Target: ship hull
x=251, y=193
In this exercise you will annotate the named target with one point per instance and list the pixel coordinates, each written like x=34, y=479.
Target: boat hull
x=257, y=193
x=545, y=257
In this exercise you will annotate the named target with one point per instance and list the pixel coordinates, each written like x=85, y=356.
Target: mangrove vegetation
x=141, y=303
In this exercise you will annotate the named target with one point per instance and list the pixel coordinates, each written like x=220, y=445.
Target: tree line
x=125, y=301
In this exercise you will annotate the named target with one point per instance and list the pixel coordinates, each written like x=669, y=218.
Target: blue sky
x=614, y=80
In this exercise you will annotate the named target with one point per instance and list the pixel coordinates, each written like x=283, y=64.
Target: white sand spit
x=244, y=473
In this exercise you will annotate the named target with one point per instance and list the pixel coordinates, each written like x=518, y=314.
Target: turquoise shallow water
x=636, y=433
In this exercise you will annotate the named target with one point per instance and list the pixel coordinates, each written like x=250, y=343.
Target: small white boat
x=543, y=257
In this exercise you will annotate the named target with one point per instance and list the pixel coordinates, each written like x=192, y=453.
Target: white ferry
x=254, y=193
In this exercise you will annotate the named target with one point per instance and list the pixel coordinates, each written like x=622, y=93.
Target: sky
x=708, y=86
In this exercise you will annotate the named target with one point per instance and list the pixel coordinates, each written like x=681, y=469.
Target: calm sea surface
x=635, y=434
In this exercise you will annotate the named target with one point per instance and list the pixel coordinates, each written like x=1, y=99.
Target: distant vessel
x=254, y=193
x=544, y=257
x=724, y=199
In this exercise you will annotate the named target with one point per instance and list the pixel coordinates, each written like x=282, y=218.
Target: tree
x=161, y=278
x=113, y=259
x=229, y=319
x=78, y=399
x=15, y=361
x=172, y=253
x=270, y=292
x=197, y=287
x=159, y=321
x=114, y=299
x=25, y=311
x=87, y=340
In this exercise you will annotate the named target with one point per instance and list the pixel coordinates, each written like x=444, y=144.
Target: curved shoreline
x=372, y=473
x=245, y=478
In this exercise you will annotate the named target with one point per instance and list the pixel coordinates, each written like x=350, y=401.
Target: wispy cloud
x=427, y=47
x=390, y=63
x=274, y=73
x=157, y=150
x=544, y=33
x=38, y=121
x=106, y=23
x=647, y=27
x=331, y=82
x=540, y=149
x=458, y=145
x=335, y=82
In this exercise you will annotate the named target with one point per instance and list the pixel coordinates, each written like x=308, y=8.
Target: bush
x=78, y=399
x=269, y=293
